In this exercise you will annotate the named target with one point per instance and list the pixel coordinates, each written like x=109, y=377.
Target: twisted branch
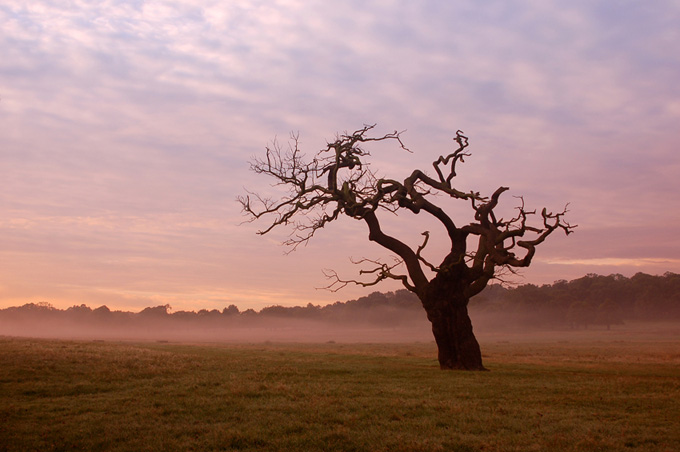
x=381, y=271
x=338, y=180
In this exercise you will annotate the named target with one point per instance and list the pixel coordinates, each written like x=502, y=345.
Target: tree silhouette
x=338, y=181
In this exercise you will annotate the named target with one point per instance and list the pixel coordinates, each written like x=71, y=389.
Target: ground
x=572, y=391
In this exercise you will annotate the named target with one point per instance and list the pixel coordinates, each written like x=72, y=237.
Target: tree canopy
x=338, y=180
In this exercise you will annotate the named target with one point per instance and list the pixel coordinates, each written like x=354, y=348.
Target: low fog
x=271, y=330
x=410, y=327
x=590, y=303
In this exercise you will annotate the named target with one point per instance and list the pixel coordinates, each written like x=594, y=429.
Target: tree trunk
x=452, y=329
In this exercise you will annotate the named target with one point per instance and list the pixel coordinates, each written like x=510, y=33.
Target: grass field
x=609, y=393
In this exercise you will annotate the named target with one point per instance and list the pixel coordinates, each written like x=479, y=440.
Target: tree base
x=458, y=348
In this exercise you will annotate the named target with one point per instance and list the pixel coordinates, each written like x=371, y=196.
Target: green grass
x=585, y=396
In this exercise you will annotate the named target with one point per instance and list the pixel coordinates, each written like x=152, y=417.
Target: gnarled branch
x=338, y=180
x=381, y=272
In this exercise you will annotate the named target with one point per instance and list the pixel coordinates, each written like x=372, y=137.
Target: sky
x=127, y=127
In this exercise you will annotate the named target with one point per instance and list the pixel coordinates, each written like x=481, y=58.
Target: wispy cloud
x=617, y=262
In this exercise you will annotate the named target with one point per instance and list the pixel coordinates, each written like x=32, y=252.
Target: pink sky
x=126, y=128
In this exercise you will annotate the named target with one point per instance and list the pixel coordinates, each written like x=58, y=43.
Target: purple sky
x=126, y=128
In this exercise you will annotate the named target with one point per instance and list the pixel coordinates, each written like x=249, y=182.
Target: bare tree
x=338, y=181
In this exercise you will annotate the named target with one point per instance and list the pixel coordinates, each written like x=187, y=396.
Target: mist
x=588, y=304
x=248, y=327
x=487, y=328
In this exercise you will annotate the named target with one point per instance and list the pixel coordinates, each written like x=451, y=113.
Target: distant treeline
x=590, y=300
x=390, y=309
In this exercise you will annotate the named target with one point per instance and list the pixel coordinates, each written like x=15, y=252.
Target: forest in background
x=592, y=300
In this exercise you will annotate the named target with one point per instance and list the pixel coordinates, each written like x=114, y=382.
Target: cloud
x=617, y=262
x=126, y=127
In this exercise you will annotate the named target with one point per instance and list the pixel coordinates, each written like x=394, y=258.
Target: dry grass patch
x=542, y=395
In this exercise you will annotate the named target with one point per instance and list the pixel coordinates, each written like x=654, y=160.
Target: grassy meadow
x=605, y=391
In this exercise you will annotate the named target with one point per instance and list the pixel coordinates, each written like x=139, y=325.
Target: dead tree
x=338, y=181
